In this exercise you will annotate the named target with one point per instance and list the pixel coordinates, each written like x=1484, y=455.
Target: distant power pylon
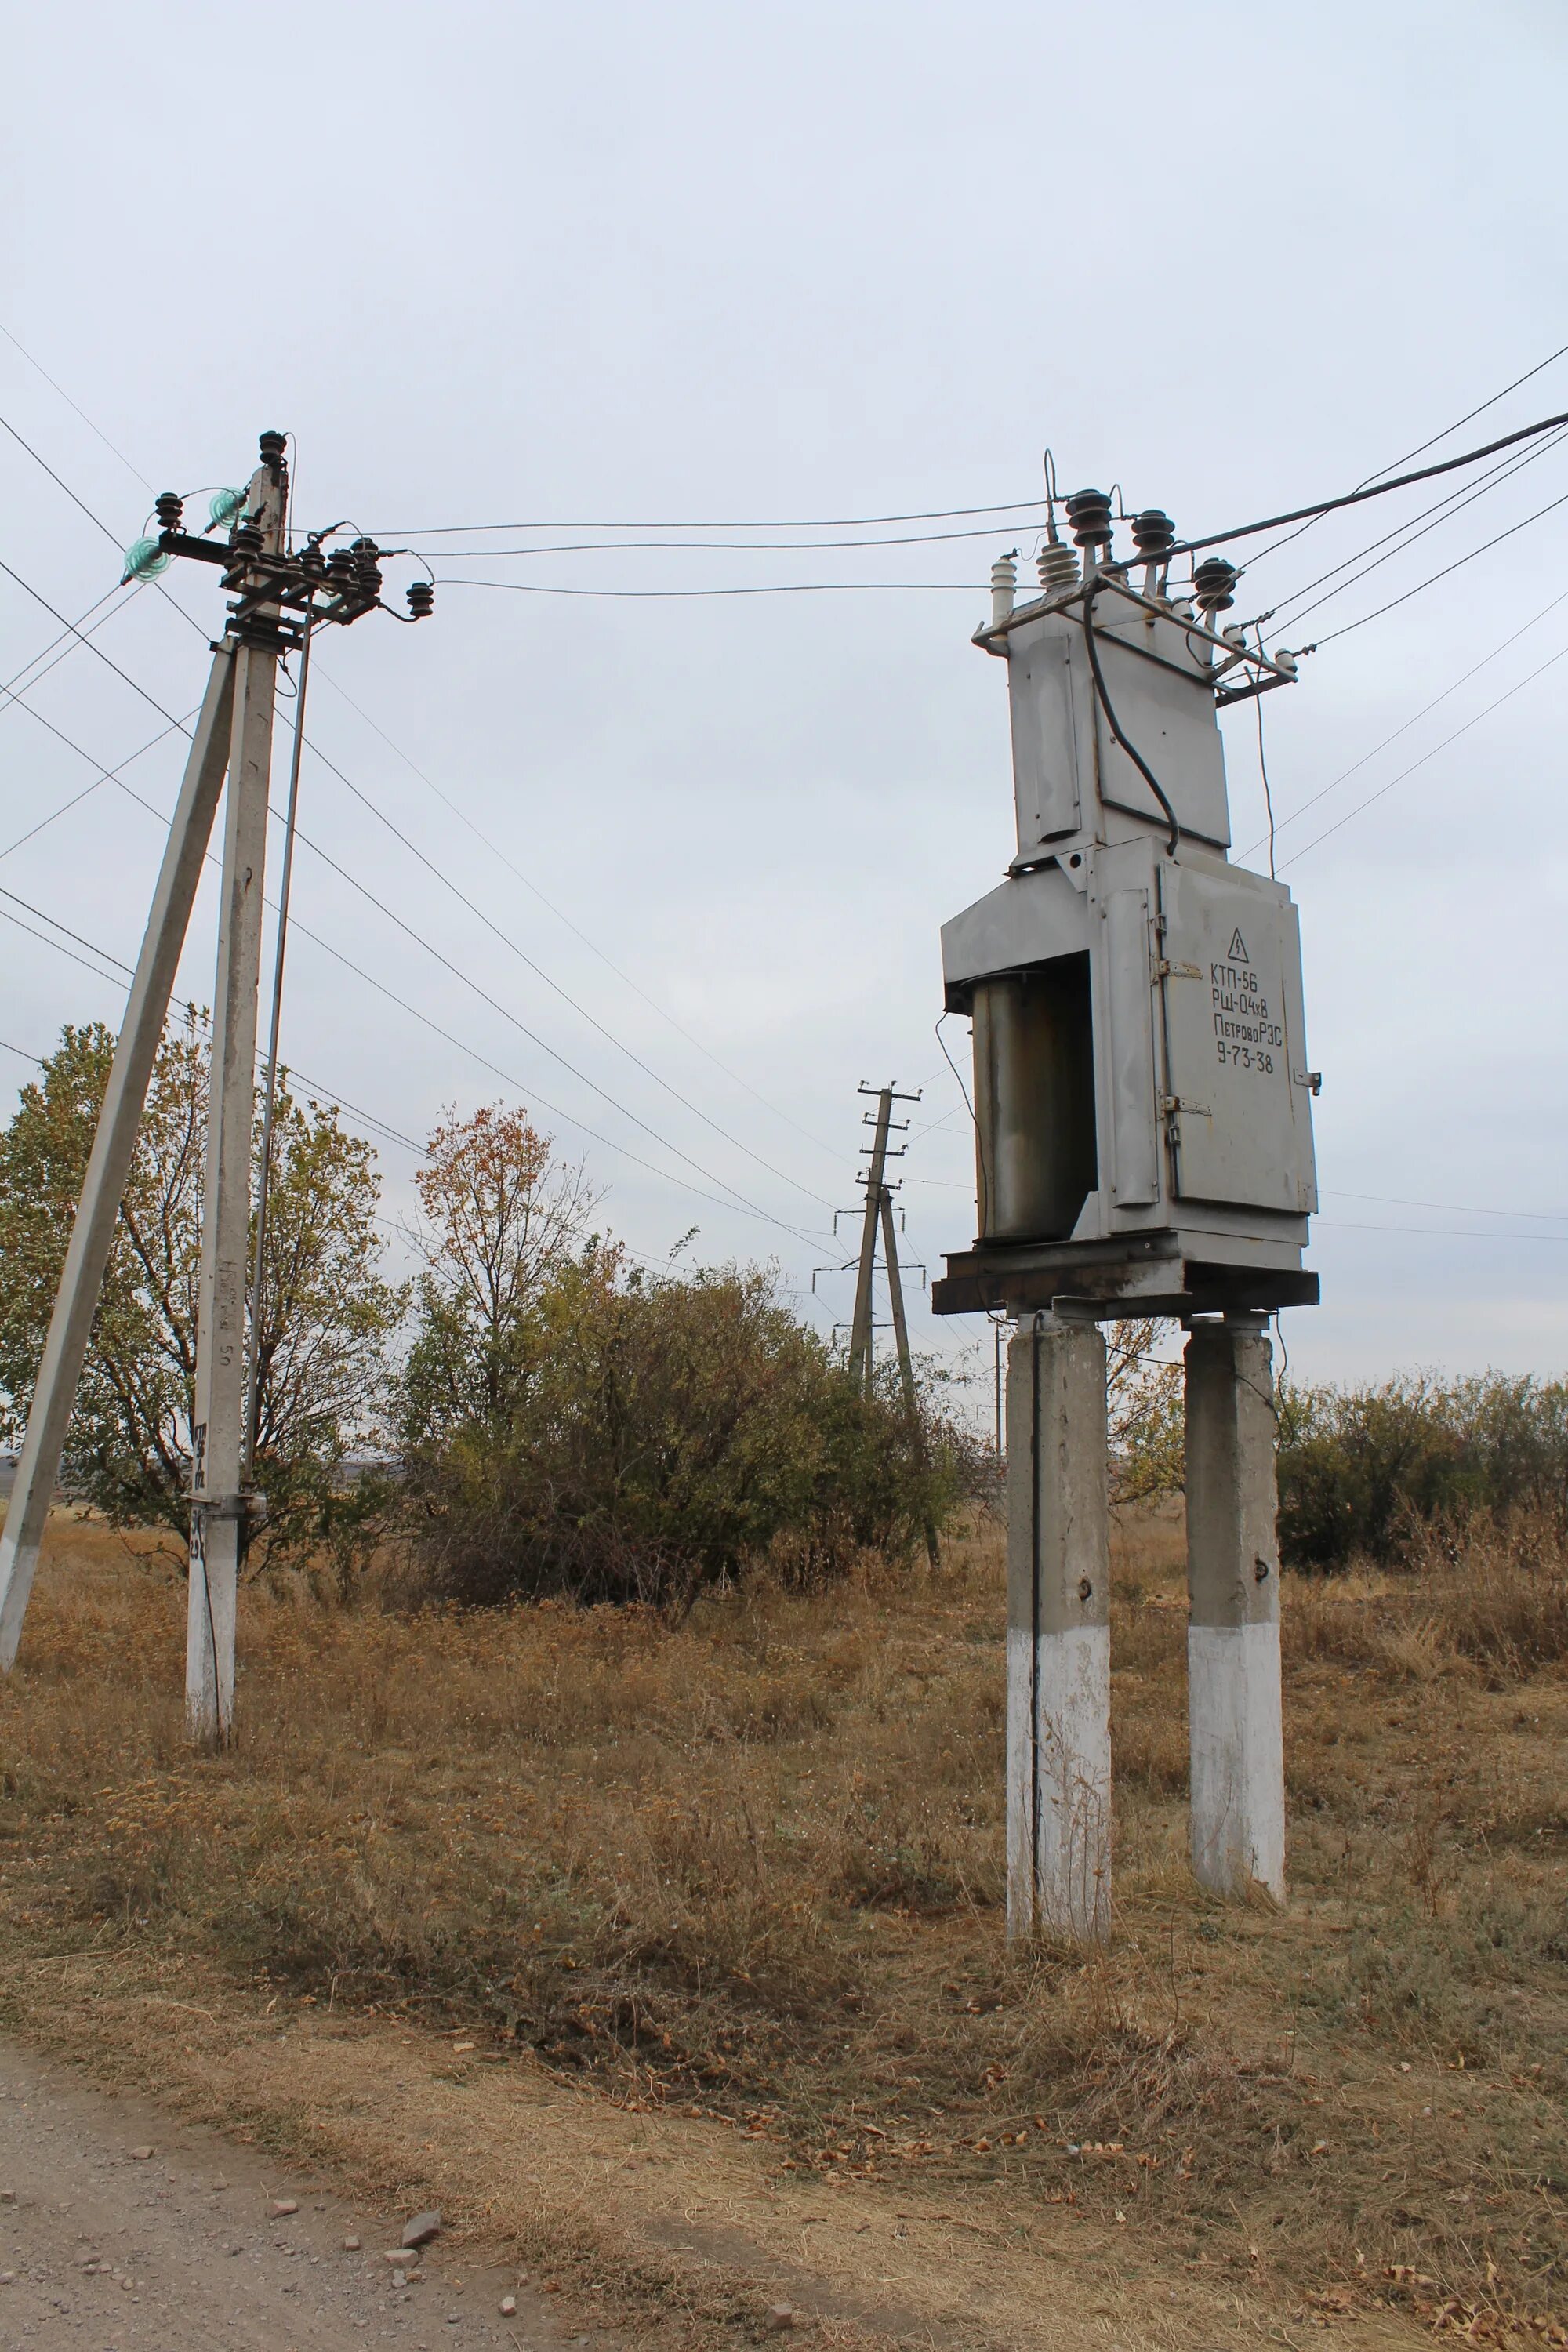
x=879, y=1216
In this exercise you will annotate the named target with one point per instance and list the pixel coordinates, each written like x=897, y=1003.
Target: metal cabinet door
x=1231, y=985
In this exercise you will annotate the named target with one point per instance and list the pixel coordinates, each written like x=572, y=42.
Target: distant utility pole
x=278, y=597
x=879, y=1216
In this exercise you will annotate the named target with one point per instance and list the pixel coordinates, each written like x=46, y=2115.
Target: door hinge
x=1311, y=1079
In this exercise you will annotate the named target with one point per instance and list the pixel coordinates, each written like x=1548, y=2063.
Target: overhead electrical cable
x=1363, y=805
x=104, y=775
x=1422, y=447
x=769, y=588
x=70, y=636
x=1375, y=491
x=507, y=942
x=1431, y=581
x=450, y=1036
x=1450, y=1208
x=562, y=916
x=73, y=630
x=69, y=403
x=417, y=936
x=738, y=1199
x=1404, y=729
x=1407, y=533
x=707, y=546
x=809, y=523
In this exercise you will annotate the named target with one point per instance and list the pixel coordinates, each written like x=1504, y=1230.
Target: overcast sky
x=517, y=264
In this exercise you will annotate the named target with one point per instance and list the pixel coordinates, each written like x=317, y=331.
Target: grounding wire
x=412, y=933
x=561, y=917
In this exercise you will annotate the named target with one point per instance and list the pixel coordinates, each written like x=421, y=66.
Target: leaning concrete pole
x=1233, y=1698
x=1058, y=1631
x=218, y=1508
x=119, y=1122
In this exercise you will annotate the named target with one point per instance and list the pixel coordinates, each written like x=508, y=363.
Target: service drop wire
x=270, y=1096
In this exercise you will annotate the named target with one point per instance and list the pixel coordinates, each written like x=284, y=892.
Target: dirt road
x=124, y=2232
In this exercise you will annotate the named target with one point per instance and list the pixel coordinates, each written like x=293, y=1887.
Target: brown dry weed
x=751, y=1869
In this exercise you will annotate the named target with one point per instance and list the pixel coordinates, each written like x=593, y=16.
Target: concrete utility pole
x=880, y=1217
x=277, y=599
x=1143, y=1147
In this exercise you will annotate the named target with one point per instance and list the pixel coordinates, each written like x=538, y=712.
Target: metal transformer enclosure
x=1143, y=1097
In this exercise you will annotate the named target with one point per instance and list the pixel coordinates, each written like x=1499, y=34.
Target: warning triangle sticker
x=1237, y=951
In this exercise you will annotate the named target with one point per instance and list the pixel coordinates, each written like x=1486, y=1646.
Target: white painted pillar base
x=1058, y=1631
x=1234, y=1703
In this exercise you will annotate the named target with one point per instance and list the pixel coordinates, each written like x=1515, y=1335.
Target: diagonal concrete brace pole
x=906, y=1360
x=218, y=1508
x=119, y=1122
x=860, y=1352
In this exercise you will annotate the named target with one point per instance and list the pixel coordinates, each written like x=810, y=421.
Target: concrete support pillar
x=1058, y=1631
x=1233, y=1642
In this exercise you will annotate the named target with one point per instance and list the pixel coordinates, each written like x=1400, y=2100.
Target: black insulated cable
x=1133, y=753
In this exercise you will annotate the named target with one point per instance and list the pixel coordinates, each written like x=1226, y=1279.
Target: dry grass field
x=720, y=1906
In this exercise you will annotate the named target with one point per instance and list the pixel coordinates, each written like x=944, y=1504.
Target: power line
x=1375, y=490
x=1457, y=565
x=478, y=912
x=1422, y=447
x=412, y=933
x=1443, y=509
x=496, y=851
x=1363, y=805
x=74, y=630
x=1443, y=1232
x=462, y=1043
x=21, y=1052
x=1345, y=773
x=69, y=403
x=816, y=522
x=104, y=776
x=1451, y=1208
x=771, y=588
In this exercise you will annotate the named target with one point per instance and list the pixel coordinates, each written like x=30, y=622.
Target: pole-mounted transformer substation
x=278, y=596
x=1143, y=1148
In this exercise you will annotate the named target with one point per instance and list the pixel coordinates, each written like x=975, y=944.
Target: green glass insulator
x=224, y=506
x=147, y=560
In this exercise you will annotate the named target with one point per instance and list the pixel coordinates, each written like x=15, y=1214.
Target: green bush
x=639, y=1437
x=1360, y=1467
